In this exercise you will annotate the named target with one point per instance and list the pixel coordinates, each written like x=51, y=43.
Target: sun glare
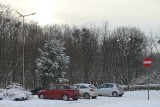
x=45, y=10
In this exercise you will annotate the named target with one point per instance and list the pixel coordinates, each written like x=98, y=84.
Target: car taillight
x=91, y=89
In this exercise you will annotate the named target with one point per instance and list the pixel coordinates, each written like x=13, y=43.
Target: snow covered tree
x=52, y=61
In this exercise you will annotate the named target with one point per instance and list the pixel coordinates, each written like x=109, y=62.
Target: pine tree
x=52, y=62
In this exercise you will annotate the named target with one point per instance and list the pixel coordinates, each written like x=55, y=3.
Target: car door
x=50, y=91
x=83, y=89
x=102, y=89
x=59, y=91
x=109, y=89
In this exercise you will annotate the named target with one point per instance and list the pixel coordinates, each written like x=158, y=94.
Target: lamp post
x=23, y=16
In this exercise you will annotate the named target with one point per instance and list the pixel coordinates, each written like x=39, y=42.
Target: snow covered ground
x=129, y=99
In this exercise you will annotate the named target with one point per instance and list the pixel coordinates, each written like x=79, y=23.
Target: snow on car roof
x=82, y=84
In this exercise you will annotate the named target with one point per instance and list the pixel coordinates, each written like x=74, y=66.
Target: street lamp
x=23, y=16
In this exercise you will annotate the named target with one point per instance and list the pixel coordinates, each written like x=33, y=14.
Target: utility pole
x=23, y=16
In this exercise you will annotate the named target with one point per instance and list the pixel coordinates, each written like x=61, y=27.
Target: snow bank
x=14, y=92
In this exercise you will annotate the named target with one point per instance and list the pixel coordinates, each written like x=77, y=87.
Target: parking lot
x=129, y=99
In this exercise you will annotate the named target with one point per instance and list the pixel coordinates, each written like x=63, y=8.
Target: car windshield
x=77, y=86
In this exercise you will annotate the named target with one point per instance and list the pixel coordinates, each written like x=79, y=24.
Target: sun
x=45, y=10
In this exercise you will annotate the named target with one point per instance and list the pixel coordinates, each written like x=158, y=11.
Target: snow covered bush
x=15, y=92
x=1, y=94
x=154, y=78
x=142, y=87
x=52, y=61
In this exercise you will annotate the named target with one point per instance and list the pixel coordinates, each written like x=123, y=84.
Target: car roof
x=110, y=83
x=63, y=84
x=82, y=84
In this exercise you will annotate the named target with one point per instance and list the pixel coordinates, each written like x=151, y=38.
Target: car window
x=38, y=88
x=83, y=87
x=102, y=86
x=60, y=87
x=109, y=86
x=52, y=87
x=67, y=87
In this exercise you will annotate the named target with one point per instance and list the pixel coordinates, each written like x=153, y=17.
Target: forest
x=97, y=54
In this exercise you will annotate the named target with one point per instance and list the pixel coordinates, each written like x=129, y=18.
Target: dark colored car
x=36, y=90
x=60, y=91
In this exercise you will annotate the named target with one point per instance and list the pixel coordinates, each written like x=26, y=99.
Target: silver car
x=110, y=89
x=87, y=90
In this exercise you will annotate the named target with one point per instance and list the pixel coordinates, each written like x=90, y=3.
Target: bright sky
x=144, y=14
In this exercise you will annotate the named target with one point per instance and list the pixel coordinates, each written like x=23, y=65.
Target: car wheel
x=94, y=97
x=17, y=99
x=75, y=98
x=41, y=96
x=86, y=96
x=114, y=94
x=65, y=97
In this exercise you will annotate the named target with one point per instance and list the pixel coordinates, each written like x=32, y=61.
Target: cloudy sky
x=144, y=14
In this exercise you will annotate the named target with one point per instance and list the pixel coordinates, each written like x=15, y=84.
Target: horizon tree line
x=97, y=54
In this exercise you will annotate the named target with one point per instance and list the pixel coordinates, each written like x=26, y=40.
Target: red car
x=60, y=91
